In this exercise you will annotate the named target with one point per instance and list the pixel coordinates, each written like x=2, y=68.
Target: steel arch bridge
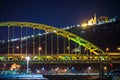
x=70, y=36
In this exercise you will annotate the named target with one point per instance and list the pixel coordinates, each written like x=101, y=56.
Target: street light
x=118, y=48
x=17, y=48
x=105, y=68
x=39, y=50
x=28, y=59
x=68, y=48
x=89, y=68
x=107, y=49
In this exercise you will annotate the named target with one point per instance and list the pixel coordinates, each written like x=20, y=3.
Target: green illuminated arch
x=77, y=39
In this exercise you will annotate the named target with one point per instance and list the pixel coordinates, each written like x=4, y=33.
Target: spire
x=95, y=16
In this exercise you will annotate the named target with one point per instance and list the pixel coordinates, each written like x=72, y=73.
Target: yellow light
x=90, y=23
x=65, y=70
x=84, y=25
x=118, y=48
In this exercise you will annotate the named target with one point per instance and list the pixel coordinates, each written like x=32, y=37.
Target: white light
x=67, y=27
x=73, y=25
x=32, y=35
x=17, y=47
x=57, y=69
x=78, y=25
x=38, y=71
x=39, y=34
x=43, y=68
x=89, y=68
x=47, y=32
x=27, y=58
x=63, y=28
x=28, y=36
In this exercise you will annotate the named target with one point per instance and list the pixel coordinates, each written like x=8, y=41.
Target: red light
x=111, y=64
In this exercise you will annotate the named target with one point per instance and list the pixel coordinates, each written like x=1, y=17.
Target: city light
x=55, y=31
x=38, y=71
x=110, y=64
x=84, y=25
x=90, y=22
x=17, y=47
x=105, y=68
x=68, y=47
x=39, y=49
x=118, y=48
x=107, y=49
x=15, y=66
x=89, y=68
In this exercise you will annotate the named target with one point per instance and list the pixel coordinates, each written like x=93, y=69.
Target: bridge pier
x=101, y=71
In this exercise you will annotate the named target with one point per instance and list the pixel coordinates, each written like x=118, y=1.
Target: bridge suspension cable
x=57, y=44
x=64, y=45
x=8, y=39
x=52, y=44
x=20, y=39
x=46, y=43
x=13, y=42
x=33, y=41
x=39, y=48
x=68, y=47
x=26, y=41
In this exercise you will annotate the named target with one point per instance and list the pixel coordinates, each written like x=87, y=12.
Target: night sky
x=58, y=13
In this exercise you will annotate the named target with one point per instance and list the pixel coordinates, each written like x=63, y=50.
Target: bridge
x=86, y=50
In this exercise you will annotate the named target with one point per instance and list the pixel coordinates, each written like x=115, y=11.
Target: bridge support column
x=101, y=71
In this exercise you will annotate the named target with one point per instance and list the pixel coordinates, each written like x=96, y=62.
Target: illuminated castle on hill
x=94, y=21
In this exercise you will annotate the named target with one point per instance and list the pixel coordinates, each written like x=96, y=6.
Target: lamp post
x=27, y=59
x=89, y=68
x=105, y=69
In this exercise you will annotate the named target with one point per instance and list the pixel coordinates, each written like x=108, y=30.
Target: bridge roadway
x=61, y=58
